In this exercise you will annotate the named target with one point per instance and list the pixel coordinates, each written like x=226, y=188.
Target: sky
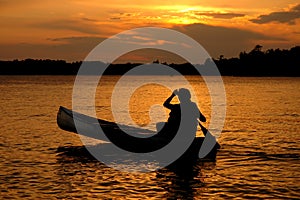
x=70, y=29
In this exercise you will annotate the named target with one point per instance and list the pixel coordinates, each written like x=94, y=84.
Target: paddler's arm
x=167, y=103
x=202, y=117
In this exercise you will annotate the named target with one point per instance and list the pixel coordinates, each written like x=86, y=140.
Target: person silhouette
x=186, y=111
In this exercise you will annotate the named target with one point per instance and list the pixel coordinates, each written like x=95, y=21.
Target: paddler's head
x=184, y=95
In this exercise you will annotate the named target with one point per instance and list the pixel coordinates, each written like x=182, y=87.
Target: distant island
x=272, y=62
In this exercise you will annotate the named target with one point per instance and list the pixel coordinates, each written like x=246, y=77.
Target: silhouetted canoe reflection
x=133, y=142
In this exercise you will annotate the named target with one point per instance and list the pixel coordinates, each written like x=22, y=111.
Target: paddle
x=203, y=129
x=208, y=134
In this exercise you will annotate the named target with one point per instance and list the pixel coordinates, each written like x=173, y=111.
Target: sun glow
x=183, y=20
x=183, y=14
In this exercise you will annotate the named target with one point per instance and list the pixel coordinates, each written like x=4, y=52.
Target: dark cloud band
x=288, y=17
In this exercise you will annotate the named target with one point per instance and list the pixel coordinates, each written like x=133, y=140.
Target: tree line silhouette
x=262, y=63
x=272, y=62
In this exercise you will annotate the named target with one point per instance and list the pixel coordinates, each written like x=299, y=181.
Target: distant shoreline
x=256, y=63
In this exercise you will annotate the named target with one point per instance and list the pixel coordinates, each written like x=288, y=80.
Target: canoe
x=118, y=134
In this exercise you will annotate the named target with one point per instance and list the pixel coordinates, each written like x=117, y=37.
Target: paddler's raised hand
x=175, y=92
x=167, y=103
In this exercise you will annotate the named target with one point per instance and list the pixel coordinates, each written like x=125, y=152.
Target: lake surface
x=260, y=155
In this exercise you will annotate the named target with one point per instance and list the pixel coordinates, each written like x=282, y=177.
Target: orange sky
x=69, y=29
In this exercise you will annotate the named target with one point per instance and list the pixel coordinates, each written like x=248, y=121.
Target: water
x=260, y=155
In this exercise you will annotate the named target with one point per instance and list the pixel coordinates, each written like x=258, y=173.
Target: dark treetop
x=254, y=63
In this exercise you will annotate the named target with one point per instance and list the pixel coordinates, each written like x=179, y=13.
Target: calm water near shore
x=260, y=155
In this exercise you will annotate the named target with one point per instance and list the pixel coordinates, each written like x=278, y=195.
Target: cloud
x=224, y=40
x=89, y=19
x=4, y=2
x=288, y=17
x=68, y=48
x=221, y=15
x=215, y=39
x=77, y=40
x=141, y=39
x=82, y=25
x=115, y=18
